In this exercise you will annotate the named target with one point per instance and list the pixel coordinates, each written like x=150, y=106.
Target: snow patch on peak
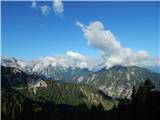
x=12, y=62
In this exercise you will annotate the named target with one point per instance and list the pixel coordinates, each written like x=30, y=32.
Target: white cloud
x=75, y=55
x=34, y=4
x=99, y=38
x=78, y=60
x=142, y=54
x=58, y=7
x=112, y=53
x=45, y=9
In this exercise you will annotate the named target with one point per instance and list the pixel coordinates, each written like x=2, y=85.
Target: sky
x=105, y=30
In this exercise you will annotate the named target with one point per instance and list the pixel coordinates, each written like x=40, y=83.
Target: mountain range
x=57, y=92
x=116, y=81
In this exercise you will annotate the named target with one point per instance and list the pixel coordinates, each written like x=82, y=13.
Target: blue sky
x=28, y=34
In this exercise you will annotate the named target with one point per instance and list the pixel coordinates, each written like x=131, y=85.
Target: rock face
x=34, y=85
x=118, y=81
x=40, y=83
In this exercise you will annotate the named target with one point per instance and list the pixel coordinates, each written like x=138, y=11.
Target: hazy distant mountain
x=154, y=69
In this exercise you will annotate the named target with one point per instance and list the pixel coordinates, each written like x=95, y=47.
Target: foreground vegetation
x=143, y=105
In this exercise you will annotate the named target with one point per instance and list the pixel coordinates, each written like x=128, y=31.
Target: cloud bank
x=70, y=59
x=111, y=51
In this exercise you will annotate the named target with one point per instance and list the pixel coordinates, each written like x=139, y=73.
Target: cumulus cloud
x=45, y=9
x=99, y=38
x=112, y=52
x=58, y=7
x=78, y=60
x=75, y=55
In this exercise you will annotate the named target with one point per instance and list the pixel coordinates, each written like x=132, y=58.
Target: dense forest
x=143, y=105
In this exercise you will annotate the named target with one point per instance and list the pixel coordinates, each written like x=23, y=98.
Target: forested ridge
x=143, y=105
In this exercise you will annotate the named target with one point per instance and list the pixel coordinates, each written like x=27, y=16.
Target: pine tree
x=133, y=96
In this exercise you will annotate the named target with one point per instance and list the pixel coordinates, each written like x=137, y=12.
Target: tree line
x=143, y=105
